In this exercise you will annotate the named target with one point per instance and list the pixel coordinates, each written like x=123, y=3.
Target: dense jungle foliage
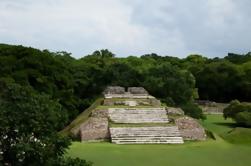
x=36, y=85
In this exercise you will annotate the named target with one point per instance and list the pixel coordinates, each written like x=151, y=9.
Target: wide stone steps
x=138, y=115
x=166, y=131
x=136, y=141
x=137, y=110
x=146, y=135
x=132, y=119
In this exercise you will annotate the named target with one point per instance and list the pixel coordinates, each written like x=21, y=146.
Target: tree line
x=42, y=91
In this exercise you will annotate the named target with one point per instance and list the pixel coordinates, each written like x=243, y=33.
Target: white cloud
x=126, y=27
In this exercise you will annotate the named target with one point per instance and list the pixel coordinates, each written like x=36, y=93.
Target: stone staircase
x=146, y=135
x=138, y=115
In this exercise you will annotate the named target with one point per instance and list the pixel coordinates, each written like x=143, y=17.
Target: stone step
x=139, y=120
x=149, y=141
x=147, y=138
x=138, y=115
x=137, y=110
x=141, y=114
x=139, y=129
x=164, y=133
x=146, y=135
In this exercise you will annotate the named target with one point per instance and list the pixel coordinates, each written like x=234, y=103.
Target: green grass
x=217, y=124
x=208, y=153
x=227, y=130
x=239, y=136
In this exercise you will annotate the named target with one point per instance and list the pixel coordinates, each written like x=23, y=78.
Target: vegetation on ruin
x=81, y=118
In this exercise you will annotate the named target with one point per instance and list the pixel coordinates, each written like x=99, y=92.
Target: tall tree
x=28, y=127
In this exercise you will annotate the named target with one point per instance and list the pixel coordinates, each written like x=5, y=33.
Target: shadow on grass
x=227, y=124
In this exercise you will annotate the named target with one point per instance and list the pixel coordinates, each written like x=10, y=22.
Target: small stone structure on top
x=114, y=90
x=137, y=90
x=132, y=92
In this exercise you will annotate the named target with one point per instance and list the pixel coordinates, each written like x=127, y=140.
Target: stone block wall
x=210, y=107
x=100, y=113
x=94, y=129
x=114, y=90
x=143, y=102
x=174, y=111
x=190, y=128
x=137, y=90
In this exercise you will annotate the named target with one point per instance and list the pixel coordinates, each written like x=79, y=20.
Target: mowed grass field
x=224, y=151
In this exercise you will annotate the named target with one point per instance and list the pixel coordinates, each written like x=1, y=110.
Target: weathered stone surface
x=137, y=90
x=133, y=102
x=155, y=102
x=94, y=129
x=109, y=102
x=138, y=115
x=190, y=128
x=174, y=111
x=114, y=90
x=217, y=109
x=210, y=107
x=146, y=135
x=103, y=113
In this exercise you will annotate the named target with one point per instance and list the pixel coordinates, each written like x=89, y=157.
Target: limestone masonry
x=133, y=116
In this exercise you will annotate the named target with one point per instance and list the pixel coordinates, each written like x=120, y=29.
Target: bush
x=240, y=112
x=244, y=118
x=168, y=101
x=193, y=110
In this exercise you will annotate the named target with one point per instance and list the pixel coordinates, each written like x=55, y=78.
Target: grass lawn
x=228, y=130
x=208, y=153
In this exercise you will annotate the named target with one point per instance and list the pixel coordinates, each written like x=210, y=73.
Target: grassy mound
x=81, y=118
x=218, y=125
x=227, y=129
x=239, y=136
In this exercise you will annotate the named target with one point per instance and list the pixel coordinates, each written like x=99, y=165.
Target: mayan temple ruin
x=133, y=116
x=153, y=118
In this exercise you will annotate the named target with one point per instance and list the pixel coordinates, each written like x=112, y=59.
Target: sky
x=129, y=27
